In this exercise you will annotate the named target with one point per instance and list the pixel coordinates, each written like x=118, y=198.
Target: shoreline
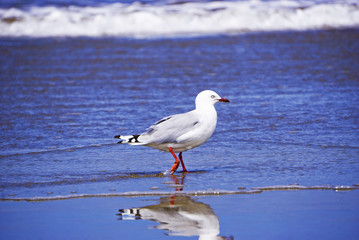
x=210, y=192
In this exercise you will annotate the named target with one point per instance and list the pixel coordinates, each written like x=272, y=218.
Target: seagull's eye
x=213, y=96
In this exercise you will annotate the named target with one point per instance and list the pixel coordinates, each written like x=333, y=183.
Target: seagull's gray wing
x=170, y=128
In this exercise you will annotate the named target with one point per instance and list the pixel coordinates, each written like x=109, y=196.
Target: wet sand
x=279, y=214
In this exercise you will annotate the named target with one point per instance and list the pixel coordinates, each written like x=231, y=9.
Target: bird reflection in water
x=179, y=216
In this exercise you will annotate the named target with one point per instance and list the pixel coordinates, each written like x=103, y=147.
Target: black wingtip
x=117, y=136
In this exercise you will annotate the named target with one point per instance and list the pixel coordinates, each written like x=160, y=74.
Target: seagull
x=181, y=132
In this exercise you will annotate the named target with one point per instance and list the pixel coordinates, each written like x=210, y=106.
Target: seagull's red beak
x=223, y=100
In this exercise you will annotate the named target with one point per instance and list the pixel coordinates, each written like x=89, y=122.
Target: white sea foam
x=166, y=19
x=133, y=194
x=210, y=192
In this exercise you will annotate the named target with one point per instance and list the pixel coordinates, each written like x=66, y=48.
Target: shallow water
x=293, y=116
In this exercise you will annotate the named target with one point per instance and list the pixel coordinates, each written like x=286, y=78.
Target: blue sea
x=284, y=158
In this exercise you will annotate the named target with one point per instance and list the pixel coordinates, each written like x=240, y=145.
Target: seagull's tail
x=129, y=214
x=131, y=139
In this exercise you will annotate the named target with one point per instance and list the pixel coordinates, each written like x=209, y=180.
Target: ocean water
x=293, y=116
x=290, y=73
x=143, y=19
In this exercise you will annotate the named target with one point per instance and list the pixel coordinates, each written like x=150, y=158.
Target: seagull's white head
x=208, y=97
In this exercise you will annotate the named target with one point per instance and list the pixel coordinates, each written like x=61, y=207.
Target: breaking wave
x=177, y=18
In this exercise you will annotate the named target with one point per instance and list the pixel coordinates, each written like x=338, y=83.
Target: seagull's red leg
x=176, y=164
x=180, y=158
